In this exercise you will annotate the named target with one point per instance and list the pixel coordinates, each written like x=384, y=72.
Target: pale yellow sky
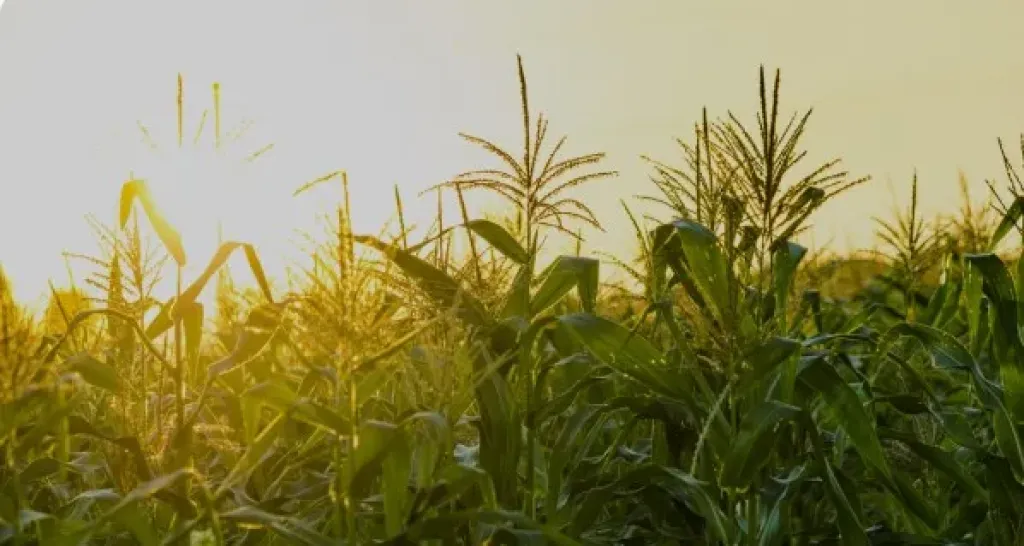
x=382, y=88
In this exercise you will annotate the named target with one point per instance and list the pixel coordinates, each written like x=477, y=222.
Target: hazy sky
x=382, y=88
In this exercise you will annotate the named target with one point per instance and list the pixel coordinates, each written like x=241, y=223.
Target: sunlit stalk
x=179, y=367
x=142, y=323
x=401, y=219
x=216, y=115
x=439, y=245
x=469, y=235
x=19, y=495
x=353, y=416
x=526, y=365
x=160, y=396
x=339, y=491
x=181, y=114
x=349, y=244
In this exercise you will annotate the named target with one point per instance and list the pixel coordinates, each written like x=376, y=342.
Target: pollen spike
x=146, y=137
x=181, y=92
x=255, y=155
x=199, y=132
x=216, y=115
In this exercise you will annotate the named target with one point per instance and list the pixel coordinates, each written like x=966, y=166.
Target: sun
x=200, y=175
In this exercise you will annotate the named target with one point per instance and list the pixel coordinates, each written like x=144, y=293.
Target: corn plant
x=914, y=251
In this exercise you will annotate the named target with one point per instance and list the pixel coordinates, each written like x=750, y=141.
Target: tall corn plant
x=506, y=339
x=914, y=249
x=536, y=185
x=746, y=188
x=125, y=275
x=778, y=197
x=698, y=189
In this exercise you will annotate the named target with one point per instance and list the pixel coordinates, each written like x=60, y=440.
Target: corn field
x=455, y=389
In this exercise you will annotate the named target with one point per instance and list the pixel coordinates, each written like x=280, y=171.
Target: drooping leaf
x=192, y=323
x=847, y=410
x=446, y=291
x=1009, y=221
x=626, y=353
x=137, y=190
x=191, y=293
x=785, y=260
x=39, y=469
x=162, y=322
x=706, y=264
x=765, y=357
x=142, y=492
x=284, y=400
x=131, y=444
x=564, y=274
x=500, y=239
x=94, y=372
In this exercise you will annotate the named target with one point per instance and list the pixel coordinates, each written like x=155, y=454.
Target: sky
x=382, y=89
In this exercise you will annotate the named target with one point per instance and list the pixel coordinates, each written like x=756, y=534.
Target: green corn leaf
x=998, y=288
x=1009, y=221
x=785, y=260
x=947, y=352
x=284, y=400
x=847, y=410
x=942, y=460
x=751, y=447
x=564, y=274
x=849, y=521
x=706, y=264
x=94, y=372
x=765, y=358
x=253, y=455
x=500, y=239
x=446, y=291
x=626, y=353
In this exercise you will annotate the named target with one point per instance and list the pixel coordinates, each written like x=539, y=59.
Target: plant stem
x=179, y=367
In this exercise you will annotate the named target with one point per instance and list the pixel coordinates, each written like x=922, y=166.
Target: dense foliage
x=735, y=391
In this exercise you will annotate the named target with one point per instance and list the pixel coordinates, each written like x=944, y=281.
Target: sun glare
x=198, y=176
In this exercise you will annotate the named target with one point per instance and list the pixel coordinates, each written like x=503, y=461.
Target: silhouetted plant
x=778, y=199
x=698, y=189
x=537, y=183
